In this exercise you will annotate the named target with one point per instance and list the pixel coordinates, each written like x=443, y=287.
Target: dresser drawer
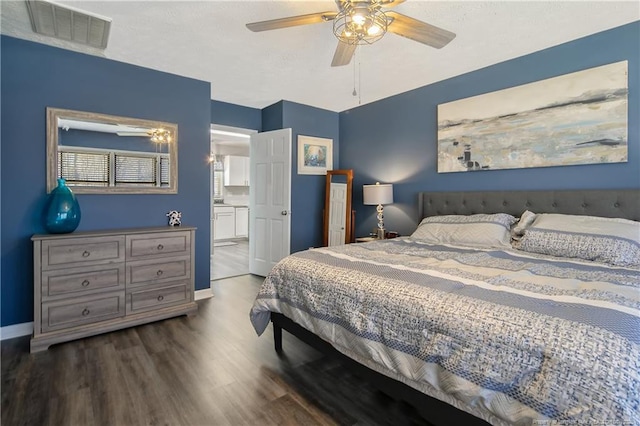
x=157, y=271
x=159, y=244
x=149, y=299
x=70, y=252
x=77, y=281
x=80, y=311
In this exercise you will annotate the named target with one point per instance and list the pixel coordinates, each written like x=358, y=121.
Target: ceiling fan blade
x=382, y=3
x=343, y=55
x=292, y=21
x=418, y=31
x=391, y=3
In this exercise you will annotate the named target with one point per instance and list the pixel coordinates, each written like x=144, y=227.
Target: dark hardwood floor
x=207, y=369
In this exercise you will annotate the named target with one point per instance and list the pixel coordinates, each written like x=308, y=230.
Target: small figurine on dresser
x=174, y=218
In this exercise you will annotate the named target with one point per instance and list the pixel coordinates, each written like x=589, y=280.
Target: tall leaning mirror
x=338, y=216
x=107, y=154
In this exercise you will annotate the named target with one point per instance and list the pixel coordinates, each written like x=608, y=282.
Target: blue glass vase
x=62, y=211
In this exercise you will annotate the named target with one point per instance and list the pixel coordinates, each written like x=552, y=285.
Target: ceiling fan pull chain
x=354, y=93
x=359, y=78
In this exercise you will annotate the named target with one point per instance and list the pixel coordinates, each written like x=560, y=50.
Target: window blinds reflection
x=133, y=170
x=84, y=168
x=95, y=167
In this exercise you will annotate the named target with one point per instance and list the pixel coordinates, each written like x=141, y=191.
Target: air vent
x=67, y=23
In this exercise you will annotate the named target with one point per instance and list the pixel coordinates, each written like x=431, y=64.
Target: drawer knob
x=86, y=253
x=85, y=283
x=160, y=298
x=159, y=273
x=85, y=312
x=160, y=247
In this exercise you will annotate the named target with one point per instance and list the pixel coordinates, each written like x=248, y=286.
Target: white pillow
x=478, y=230
x=613, y=241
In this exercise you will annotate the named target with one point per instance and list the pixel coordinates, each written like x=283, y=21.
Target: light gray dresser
x=86, y=283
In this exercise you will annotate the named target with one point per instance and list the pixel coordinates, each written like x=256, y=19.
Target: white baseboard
x=205, y=293
x=16, y=330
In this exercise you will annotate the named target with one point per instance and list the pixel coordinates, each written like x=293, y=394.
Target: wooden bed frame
x=623, y=203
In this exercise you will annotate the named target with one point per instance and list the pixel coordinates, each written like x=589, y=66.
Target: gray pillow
x=478, y=230
x=607, y=240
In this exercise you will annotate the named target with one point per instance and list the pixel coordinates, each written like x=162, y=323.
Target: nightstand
x=365, y=239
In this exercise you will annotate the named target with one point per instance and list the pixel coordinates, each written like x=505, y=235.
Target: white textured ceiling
x=208, y=40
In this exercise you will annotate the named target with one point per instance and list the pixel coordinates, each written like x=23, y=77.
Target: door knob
x=283, y=213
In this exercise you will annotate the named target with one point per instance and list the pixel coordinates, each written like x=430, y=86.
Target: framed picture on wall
x=315, y=155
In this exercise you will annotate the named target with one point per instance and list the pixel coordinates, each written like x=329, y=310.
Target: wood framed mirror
x=106, y=154
x=338, y=218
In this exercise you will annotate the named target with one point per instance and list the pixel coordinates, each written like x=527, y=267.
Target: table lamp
x=378, y=194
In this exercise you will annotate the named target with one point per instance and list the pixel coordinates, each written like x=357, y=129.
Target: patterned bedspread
x=507, y=336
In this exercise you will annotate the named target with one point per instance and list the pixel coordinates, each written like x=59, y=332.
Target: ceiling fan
x=363, y=22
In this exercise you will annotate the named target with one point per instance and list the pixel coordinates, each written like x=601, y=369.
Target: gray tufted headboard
x=624, y=203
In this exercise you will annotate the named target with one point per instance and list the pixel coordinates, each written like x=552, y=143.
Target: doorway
x=230, y=188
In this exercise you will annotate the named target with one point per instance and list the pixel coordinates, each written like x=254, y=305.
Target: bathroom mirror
x=106, y=154
x=338, y=216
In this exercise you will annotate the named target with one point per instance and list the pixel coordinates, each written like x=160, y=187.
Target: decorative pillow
x=607, y=240
x=527, y=218
x=478, y=230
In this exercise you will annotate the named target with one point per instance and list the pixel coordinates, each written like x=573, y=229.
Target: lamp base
x=380, y=216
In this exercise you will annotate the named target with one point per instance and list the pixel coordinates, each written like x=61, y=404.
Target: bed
x=478, y=331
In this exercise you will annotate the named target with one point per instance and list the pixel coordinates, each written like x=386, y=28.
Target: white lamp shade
x=380, y=193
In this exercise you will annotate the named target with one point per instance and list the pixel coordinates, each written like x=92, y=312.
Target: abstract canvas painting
x=577, y=118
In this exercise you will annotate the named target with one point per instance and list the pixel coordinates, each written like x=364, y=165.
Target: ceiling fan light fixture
x=359, y=22
x=359, y=15
x=373, y=30
x=360, y=25
x=160, y=136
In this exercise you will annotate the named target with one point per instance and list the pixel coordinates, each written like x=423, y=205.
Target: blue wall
x=272, y=116
x=235, y=115
x=35, y=76
x=398, y=147
x=307, y=191
x=394, y=140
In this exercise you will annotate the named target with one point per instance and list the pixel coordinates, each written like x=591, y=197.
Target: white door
x=269, y=200
x=337, y=209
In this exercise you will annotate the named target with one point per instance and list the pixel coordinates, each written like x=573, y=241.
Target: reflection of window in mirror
x=98, y=153
x=218, y=179
x=86, y=157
